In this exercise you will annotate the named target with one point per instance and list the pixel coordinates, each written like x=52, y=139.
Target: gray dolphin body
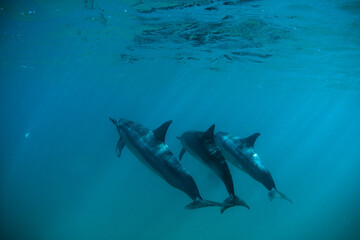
x=149, y=147
x=201, y=145
x=241, y=153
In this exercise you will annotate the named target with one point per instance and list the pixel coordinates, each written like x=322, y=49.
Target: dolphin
x=241, y=153
x=201, y=145
x=150, y=148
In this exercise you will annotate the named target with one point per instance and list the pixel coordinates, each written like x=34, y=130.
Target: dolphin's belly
x=231, y=153
x=246, y=164
x=158, y=158
x=161, y=161
x=235, y=161
x=140, y=149
x=209, y=157
x=196, y=153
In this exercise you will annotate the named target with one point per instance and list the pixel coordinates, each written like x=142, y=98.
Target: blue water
x=287, y=69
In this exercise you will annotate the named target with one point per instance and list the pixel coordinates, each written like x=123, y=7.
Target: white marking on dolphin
x=241, y=153
x=150, y=148
x=201, y=145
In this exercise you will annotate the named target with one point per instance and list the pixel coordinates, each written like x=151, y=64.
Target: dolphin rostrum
x=201, y=145
x=149, y=147
x=240, y=152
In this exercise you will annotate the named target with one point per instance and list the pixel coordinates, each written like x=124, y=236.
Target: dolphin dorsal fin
x=160, y=132
x=250, y=141
x=209, y=133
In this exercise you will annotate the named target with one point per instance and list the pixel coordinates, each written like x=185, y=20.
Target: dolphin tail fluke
x=233, y=201
x=198, y=203
x=276, y=194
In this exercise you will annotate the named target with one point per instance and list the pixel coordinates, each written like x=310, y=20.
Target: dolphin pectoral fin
x=276, y=194
x=119, y=147
x=233, y=201
x=160, y=132
x=113, y=121
x=181, y=153
x=204, y=203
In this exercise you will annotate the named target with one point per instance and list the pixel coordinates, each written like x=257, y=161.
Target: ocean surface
x=287, y=69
